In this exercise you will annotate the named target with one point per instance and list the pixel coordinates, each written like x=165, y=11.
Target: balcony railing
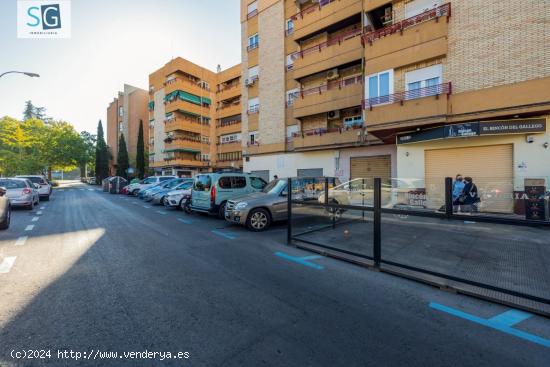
x=227, y=87
x=253, y=46
x=228, y=142
x=253, y=109
x=311, y=9
x=252, y=14
x=185, y=80
x=322, y=131
x=400, y=97
x=188, y=119
x=434, y=13
x=318, y=48
x=331, y=85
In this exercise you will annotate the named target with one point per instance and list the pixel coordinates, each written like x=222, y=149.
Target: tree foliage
x=33, y=112
x=102, y=155
x=140, y=154
x=123, y=162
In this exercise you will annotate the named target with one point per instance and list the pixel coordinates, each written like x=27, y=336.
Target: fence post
x=377, y=230
x=448, y=197
x=289, y=211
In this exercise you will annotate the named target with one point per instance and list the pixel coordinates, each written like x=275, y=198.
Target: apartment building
x=413, y=88
x=194, y=119
x=124, y=114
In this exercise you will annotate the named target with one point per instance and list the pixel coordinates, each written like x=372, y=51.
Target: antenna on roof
x=219, y=68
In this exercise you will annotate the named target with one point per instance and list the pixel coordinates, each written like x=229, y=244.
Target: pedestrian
x=458, y=186
x=470, y=195
x=275, y=177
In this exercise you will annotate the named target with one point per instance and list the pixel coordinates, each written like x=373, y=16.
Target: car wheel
x=46, y=198
x=163, y=201
x=30, y=206
x=6, y=223
x=221, y=210
x=134, y=193
x=258, y=220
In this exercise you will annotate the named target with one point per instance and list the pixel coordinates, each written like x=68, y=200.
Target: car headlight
x=241, y=205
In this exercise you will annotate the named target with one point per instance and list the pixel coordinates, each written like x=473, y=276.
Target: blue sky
x=113, y=42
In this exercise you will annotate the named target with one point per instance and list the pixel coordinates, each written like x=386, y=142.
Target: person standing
x=458, y=187
x=470, y=195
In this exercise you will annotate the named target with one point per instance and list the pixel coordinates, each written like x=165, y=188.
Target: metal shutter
x=491, y=168
x=371, y=167
x=310, y=172
x=262, y=174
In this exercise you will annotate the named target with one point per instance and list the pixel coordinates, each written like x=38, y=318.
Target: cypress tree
x=140, y=154
x=101, y=155
x=122, y=162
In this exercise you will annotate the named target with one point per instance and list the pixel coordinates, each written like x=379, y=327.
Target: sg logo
x=47, y=15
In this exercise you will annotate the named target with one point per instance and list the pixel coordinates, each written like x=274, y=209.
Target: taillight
x=213, y=194
x=26, y=191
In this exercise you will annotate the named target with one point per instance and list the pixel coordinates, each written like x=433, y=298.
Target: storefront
x=499, y=155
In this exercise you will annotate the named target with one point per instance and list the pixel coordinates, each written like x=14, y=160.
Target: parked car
x=134, y=189
x=45, y=189
x=211, y=191
x=257, y=211
x=178, y=198
x=5, y=209
x=163, y=186
x=21, y=192
x=159, y=197
x=92, y=181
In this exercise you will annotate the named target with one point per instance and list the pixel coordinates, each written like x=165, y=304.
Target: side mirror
x=36, y=186
x=2, y=191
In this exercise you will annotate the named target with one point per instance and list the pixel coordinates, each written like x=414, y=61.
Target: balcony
x=335, y=95
x=418, y=106
x=253, y=149
x=229, y=110
x=185, y=144
x=186, y=85
x=330, y=54
x=185, y=106
x=369, y=5
x=234, y=146
x=183, y=162
x=185, y=123
x=409, y=41
x=229, y=91
x=324, y=14
x=233, y=127
x=319, y=138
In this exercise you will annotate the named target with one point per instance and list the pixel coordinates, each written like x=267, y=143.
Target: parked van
x=211, y=191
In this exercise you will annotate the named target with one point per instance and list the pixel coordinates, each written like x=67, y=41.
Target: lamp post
x=32, y=75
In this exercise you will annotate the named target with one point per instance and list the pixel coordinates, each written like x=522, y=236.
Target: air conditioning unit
x=331, y=115
x=249, y=82
x=170, y=135
x=332, y=74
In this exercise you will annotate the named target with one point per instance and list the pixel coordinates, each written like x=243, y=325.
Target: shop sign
x=513, y=126
x=417, y=198
x=462, y=130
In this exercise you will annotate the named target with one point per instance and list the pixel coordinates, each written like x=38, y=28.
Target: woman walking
x=458, y=187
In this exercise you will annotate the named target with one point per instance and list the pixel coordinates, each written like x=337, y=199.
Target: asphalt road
x=107, y=273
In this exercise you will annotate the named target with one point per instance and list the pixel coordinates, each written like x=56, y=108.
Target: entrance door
x=491, y=168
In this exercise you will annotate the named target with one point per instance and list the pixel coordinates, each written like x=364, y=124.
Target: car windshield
x=33, y=179
x=173, y=183
x=202, y=183
x=149, y=180
x=13, y=184
x=275, y=186
x=185, y=186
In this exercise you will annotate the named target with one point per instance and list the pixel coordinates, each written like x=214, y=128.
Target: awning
x=181, y=150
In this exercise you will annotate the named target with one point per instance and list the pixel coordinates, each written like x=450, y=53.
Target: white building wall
x=159, y=135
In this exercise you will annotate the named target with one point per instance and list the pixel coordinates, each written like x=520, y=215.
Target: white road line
x=39, y=212
x=147, y=207
x=163, y=213
x=81, y=189
x=6, y=264
x=42, y=207
x=90, y=189
x=35, y=219
x=30, y=227
x=21, y=240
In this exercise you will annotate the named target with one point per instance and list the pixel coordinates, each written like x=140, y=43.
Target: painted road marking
x=35, y=219
x=186, y=221
x=30, y=227
x=6, y=264
x=42, y=207
x=39, y=212
x=90, y=189
x=147, y=207
x=301, y=260
x=21, y=240
x=81, y=189
x=502, y=322
x=228, y=235
x=161, y=212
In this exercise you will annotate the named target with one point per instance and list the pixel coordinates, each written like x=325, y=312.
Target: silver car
x=21, y=192
x=257, y=211
x=44, y=189
x=160, y=197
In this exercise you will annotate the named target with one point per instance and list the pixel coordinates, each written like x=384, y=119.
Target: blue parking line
x=229, y=236
x=301, y=260
x=500, y=322
x=186, y=221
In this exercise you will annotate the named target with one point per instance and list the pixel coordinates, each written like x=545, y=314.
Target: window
x=253, y=41
x=150, y=180
x=253, y=105
x=379, y=86
x=289, y=26
x=231, y=138
x=290, y=130
x=205, y=157
x=121, y=111
x=204, y=85
x=423, y=82
x=253, y=138
x=257, y=183
x=353, y=121
x=162, y=179
x=205, y=139
x=413, y=8
x=289, y=62
x=252, y=9
x=253, y=72
x=224, y=182
x=120, y=127
x=291, y=95
x=238, y=182
x=202, y=183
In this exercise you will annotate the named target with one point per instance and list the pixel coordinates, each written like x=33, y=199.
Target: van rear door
x=200, y=195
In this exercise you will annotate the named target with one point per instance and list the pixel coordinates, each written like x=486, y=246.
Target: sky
x=112, y=42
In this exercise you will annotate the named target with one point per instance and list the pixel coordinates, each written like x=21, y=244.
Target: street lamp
x=32, y=75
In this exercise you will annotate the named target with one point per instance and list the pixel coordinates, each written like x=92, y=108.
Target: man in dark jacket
x=470, y=195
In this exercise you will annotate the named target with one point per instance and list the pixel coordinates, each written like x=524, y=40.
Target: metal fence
x=499, y=257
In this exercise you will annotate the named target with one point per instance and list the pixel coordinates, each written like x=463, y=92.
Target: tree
x=33, y=112
x=86, y=160
x=122, y=162
x=140, y=154
x=61, y=146
x=101, y=155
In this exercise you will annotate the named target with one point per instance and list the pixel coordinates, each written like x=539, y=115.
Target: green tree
x=33, y=112
x=122, y=162
x=62, y=146
x=86, y=159
x=140, y=154
x=101, y=155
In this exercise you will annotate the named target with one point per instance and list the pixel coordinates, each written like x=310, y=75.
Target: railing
x=253, y=46
x=253, y=109
x=228, y=123
x=336, y=40
x=322, y=131
x=228, y=87
x=400, y=97
x=334, y=84
x=183, y=138
x=228, y=142
x=253, y=13
x=184, y=80
x=229, y=105
x=434, y=13
x=311, y=9
x=188, y=119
